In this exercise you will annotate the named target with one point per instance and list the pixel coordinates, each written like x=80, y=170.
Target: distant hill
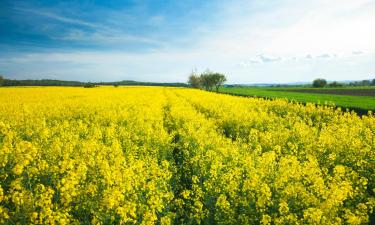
x=48, y=82
x=268, y=84
x=139, y=83
x=44, y=82
x=299, y=84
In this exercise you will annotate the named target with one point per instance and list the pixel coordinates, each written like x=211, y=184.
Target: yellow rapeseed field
x=152, y=155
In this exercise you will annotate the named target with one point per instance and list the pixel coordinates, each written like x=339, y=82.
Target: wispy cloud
x=98, y=33
x=59, y=18
x=107, y=36
x=357, y=52
x=260, y=59
x=268, y=59
x=324, y=56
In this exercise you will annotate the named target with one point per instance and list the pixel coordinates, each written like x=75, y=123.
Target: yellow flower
x=18, y=169
x=165, y=155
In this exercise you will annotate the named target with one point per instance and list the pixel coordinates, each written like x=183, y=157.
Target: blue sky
x=255, y=41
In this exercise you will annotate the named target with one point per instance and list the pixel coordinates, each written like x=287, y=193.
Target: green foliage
x=363, y=83
x=210, y=80
x=218, y=80
x=206, y=79
x=47, y=82
x=44, y=82
x=366, y=82
x=89, y=85
x=194, y=80
x=319, y=83
x=1, y=80
x=335, y=84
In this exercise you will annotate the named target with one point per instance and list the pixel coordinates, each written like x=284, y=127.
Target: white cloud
x=324, y=56
x=296, y=28
x=357, y=52
x=334, y=26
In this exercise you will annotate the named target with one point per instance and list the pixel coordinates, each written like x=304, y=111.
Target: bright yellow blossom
x=153, y=155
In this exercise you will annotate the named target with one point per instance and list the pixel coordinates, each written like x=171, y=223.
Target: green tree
x=335, y=84
x=207, y=80
x=210, y=80
x=366, y=83
x=89, y=85
x=318, y=83
x=194, y=80
x=218, y=80
x=1, y=80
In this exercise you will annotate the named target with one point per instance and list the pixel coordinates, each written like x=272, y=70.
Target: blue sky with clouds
x=251, y=41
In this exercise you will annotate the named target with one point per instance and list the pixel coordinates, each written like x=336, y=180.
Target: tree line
x=8, y=82
x=208, y=80
x=319, y=83
x=48, y=82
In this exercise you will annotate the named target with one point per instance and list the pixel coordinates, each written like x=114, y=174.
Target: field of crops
x=152, y=155
x=350, y=91
x=361, y=99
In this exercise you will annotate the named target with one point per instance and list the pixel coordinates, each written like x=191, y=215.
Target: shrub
x=319, y=83
x=89, y=85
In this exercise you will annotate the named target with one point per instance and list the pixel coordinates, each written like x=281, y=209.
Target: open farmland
x=360, y=99
x=359, y=91
x=152, y=155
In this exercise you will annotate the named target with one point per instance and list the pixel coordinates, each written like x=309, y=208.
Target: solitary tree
x=1, y=80
x=194, y=80
x=318, y=83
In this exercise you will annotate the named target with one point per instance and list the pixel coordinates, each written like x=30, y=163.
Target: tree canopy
x=318, y=83
x=1, y=80
x=218, y=80
x=207, y=80
x=194, y=80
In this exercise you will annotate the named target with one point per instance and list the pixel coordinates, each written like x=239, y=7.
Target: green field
x=360, y=99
